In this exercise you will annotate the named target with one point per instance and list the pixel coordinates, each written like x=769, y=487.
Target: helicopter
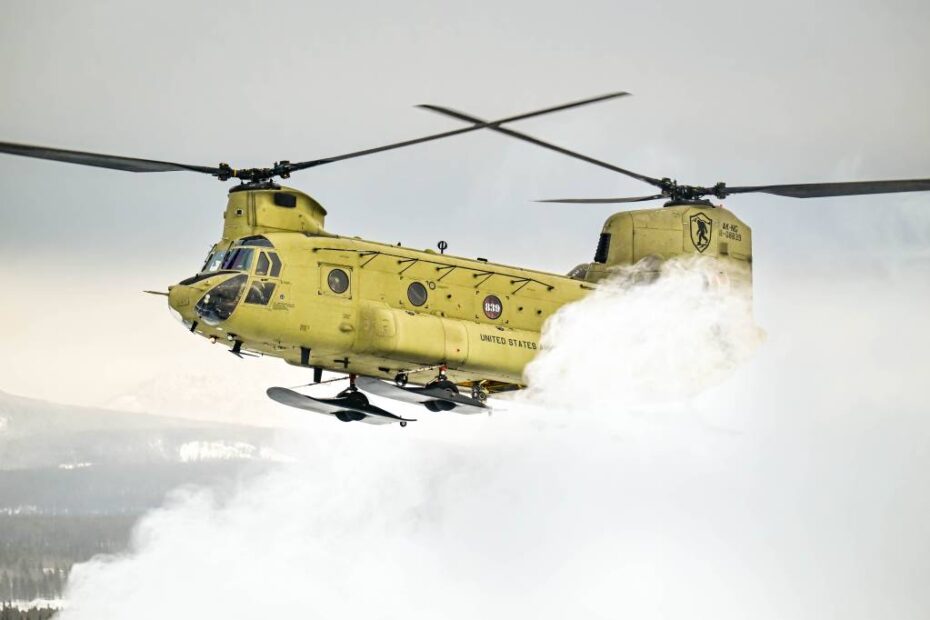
x=417, y=326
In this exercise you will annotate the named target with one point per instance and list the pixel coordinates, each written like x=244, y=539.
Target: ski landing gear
x=350, y=405
x=440, y=394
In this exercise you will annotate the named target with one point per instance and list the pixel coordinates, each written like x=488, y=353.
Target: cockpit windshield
x=238, y=259
x=219, y=302
x=213, y=262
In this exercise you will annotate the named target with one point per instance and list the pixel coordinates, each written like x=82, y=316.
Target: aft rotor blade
x=522, y=136
x=115, y=162
x=825, y=190
x=602, y=201
x=478, y=124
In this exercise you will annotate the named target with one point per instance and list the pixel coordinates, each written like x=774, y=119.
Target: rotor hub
x=282, y=169
x=687, y=194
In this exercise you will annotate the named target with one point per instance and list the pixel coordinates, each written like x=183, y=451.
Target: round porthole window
x=338, y=281
x=417, y=294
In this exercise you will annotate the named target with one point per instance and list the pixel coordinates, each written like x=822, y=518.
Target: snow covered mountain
x=37, y=434
x=59, y=459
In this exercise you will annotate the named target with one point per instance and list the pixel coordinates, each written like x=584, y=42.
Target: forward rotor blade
x=602, y=201
x=824, y=190
x=479, y=124
x=115, y=162
x=522, y=136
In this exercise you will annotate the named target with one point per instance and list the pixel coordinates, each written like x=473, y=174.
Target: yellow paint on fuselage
x=373, y=327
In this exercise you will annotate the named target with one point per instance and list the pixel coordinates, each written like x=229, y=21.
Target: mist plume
x=616, y=487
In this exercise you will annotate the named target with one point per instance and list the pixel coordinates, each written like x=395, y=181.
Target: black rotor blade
x=479, y=124
x=522, y=136
x=116, y=162
x=602, y=201
x=824, y=190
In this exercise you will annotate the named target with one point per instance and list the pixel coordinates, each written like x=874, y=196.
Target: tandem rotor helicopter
x=414, y=325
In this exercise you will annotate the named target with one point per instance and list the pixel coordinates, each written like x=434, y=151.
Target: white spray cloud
x=649, y=333
x=776, y=493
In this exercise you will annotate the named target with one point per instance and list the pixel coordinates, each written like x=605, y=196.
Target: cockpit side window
x=260, y=293
x=261, y=269
x=275, y=264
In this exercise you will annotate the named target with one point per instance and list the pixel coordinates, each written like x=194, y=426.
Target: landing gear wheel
x=353, y=397
x=478, y=394
x=401, y=379
x=403, y=424
x=443, y=383
x=439, y=405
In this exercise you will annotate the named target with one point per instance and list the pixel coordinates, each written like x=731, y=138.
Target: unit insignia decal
x=701, y=229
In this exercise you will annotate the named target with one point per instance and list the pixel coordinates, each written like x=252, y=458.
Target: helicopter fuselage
x=278, y=284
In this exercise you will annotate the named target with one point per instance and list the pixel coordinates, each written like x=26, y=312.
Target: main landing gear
x=440, y=394
x=442, y=382
x=351, y=404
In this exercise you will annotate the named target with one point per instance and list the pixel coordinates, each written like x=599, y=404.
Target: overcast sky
x=796, y=489
x=740, y=92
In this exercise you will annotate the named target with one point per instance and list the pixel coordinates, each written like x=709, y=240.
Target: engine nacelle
x=668, y=232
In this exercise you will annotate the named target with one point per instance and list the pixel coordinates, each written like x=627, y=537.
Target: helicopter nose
x=179, y=300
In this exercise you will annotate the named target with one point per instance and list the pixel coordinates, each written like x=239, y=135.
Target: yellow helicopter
x=419, y=326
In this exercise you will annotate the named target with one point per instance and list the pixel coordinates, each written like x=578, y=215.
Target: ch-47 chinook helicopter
x=413, y=325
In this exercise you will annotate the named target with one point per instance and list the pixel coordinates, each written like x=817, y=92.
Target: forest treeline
x=38, y=551
x=8, y=612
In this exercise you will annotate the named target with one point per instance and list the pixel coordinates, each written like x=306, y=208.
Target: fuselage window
x=417, y=294
x=338, y=281
x=603, y=247
x=260, y=293
x=289, y=201
x=275, y=264
x=263, y=263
